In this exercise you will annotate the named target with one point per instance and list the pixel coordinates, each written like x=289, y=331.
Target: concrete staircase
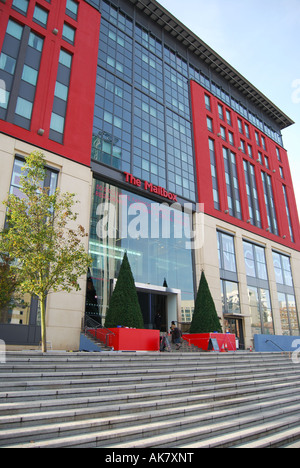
x=143, y=400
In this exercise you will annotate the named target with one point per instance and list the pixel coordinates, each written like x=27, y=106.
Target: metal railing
x=92, y=325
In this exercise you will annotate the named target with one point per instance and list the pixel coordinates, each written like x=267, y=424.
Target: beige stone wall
x=64, y=311
x=207, y=259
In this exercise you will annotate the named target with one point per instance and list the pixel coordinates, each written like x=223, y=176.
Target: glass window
x=261, y=311
x=255, y=261
x=40, y=15
x=14, y=29
x=65, y=58
x=7, y=63
x=36, y=42
x=230, y=297
x=61, y=91
x=69, y=33
x=157, y=254
x=72, y=9
x=226, y=252
x=30, y=75
x=24, y=108
x=57, y=123
x=21, y=5
x=288, y=314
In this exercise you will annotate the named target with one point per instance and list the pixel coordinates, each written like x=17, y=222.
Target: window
x=69, y=33
x=230, y=297
x=214, y=175
x=40, y=16
x=209, y=124
x=288, y=212
x=21, y=5
x=60, y=102
x=261, y=311
x=252, y=194
x=270, y=203
x=288, y=314
x=255, y=261
x=72, y=9
x=24, y=108
x=207, y=102
x=283, y=270
x=286, y=295
x=226, y=250
x=220, y=110
x=232, y=183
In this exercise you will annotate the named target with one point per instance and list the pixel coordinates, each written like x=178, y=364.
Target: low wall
x=201, y=340
x=127, y=339
x=276, y=344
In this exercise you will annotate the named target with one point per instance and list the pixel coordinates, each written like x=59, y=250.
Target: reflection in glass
x=152, y=257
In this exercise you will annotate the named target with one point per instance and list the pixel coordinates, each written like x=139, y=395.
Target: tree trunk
x=43, y=323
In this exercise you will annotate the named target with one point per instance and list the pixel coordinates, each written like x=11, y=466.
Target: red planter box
x=127, y=339
x=226, y=342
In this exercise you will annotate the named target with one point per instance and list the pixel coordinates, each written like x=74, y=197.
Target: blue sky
x=261, y=39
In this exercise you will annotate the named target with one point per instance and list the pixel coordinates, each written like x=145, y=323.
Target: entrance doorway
x=234, y=325
x=159, y=305
x=154, y=310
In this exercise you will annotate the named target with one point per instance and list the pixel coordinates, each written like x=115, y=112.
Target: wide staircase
x=149, y=400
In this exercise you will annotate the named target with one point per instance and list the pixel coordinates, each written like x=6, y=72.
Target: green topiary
x=124, y=308
x=205, y=319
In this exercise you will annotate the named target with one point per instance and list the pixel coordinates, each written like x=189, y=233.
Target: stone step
x=191, y=386
x=148, y=400
x=162, y=434
x=8, y=384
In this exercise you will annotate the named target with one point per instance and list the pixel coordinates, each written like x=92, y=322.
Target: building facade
x=175, y=158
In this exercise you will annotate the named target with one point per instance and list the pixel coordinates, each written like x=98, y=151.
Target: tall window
x=258, y=289
x=288, y=212
x=214, y=174
x=60, y=102
x=270, y=203
x=286, y=295
x=19, y=71
x=232, y=183
x=252, y=194
x=228, y=274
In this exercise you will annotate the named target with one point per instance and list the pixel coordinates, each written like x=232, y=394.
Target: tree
x=124, y=308
x=43, y=239
x=205, y=319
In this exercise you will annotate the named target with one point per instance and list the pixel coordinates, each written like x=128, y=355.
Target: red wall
x=80, y=111
x=204, y=177
x=127, y=339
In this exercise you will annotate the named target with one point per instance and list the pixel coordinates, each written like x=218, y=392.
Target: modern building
x=175, y=158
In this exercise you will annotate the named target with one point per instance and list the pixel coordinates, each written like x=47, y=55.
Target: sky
x=261, y=40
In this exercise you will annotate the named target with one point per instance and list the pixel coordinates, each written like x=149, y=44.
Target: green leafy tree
x=124, y=308
x=205, y=319
x=43, y=238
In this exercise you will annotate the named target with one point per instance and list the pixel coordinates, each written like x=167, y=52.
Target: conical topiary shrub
x=205, y=319
x=124, y=308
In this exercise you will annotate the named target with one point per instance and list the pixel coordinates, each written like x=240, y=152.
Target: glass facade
x=142, y=118
x=154, y=237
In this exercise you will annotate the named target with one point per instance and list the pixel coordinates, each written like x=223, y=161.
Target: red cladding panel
x=279, y=171
x=80, y=111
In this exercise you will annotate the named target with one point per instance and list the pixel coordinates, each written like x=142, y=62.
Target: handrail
x=91, y=324
x=275, y=344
